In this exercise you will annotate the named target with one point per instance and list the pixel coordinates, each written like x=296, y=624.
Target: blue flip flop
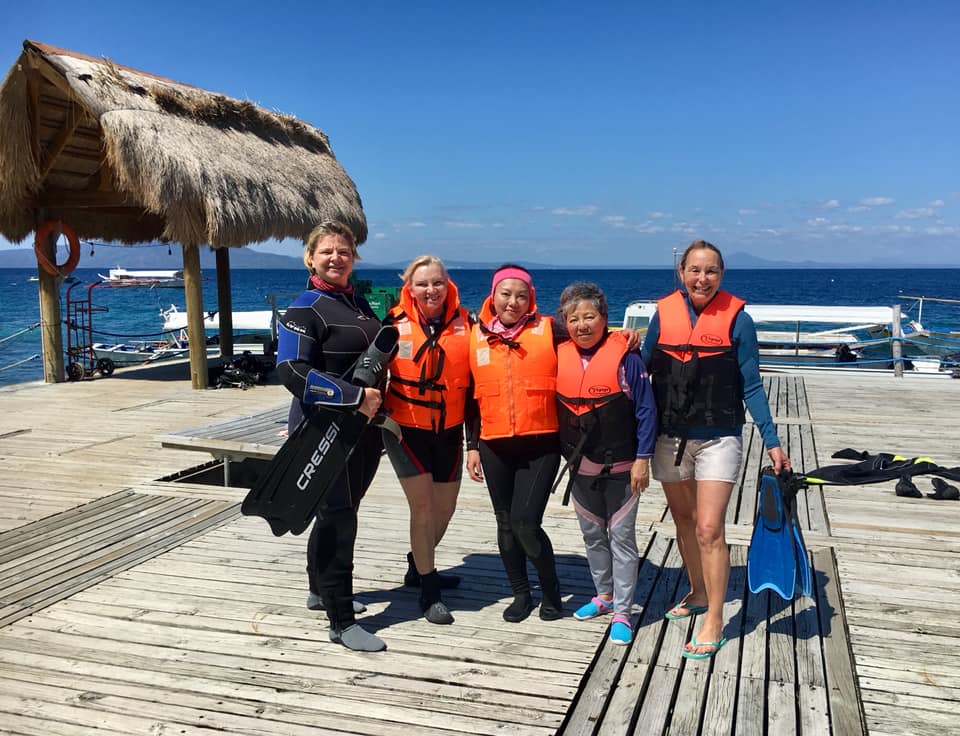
x=690, y=611
x=717, y=645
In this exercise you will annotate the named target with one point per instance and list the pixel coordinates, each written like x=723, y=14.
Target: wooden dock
x=132, y=603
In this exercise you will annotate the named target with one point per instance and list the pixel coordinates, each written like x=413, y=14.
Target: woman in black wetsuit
x=319, y=339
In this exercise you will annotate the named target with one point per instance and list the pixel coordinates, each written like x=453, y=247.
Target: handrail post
x=896, y=347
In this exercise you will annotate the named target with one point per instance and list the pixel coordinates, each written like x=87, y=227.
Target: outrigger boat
x=255, y=332
x=155, y=279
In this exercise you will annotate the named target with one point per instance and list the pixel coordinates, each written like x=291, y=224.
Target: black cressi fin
x=771, y=559
x=315, y=454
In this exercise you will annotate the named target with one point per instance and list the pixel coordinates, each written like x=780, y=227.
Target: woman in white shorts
x=702, y=355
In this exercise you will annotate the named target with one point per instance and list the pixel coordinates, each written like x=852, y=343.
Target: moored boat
x=152, y=278
x=805, y=336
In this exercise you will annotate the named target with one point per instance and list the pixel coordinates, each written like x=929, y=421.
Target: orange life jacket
x=694, y=368
x=596, y=417
x=515, y=381
x=709, y=336
x=430, y=374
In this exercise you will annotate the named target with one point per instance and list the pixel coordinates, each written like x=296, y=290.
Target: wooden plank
x=601, y=679
x=721, y=699
x=843, y=692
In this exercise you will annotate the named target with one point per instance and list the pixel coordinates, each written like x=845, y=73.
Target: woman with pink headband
x=513, y=361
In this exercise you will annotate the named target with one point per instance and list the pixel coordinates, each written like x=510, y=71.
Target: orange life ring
x=40, y=243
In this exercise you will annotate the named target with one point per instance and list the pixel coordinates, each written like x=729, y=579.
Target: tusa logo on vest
x=598, y=390
x=711, y=340
x=306, y=475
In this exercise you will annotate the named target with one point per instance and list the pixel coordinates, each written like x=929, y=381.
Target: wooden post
x=896, y=345
x=50, y=321
x=224, y=302
x=193, y=291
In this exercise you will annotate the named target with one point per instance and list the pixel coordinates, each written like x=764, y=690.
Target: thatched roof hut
x=124, y=155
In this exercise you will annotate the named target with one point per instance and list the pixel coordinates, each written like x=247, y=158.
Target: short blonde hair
x=330, y=227
x=420, y=261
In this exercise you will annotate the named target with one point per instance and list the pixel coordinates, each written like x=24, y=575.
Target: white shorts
x=716, y=459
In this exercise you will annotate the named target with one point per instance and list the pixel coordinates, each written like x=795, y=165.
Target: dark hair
x=699, y=245
x=582, y=291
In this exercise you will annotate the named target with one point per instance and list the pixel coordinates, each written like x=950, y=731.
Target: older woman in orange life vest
x=608, y=429
x=429, y=380
x=702, y=354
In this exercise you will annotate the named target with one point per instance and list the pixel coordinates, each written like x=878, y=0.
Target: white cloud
x=917, y=213
x=648, y=227
x=583, y=211
x=379, y=236
x=942, y=230
x=845, y=229
x=746, y=212
x=659, y=215
x=877, y=201
x=818, y=222
x=937, y=203
x=858, y=208
x=463, y=225
x=830, y=204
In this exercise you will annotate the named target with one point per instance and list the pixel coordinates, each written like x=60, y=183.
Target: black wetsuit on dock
x=319, y=339
x=875, y=468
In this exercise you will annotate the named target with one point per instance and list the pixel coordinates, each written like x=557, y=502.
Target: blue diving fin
x=313, y=458
x=771, y=560
x=804, y=583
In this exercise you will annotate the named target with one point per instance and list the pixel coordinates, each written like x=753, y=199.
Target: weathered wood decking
x=135, y=605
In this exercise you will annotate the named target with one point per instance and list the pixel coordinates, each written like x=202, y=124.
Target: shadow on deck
x=787, y=666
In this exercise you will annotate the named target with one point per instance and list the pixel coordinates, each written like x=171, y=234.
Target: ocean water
x=133, y=313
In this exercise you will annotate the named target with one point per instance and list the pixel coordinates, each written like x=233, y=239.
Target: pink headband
x=511, y=273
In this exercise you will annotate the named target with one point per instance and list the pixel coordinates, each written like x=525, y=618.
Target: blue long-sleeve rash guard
x=744, y=337
x=644, y=406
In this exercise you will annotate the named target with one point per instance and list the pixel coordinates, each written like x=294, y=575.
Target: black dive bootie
x=521, y=607
x=551, y=606
x=434, y=609
x=412, y=578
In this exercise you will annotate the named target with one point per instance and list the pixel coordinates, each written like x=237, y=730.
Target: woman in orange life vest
x=608, y=429
x=429, y=379
x=701, y=350
x=513, y=362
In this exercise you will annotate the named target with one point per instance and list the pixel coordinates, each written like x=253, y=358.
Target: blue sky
x=592, y=135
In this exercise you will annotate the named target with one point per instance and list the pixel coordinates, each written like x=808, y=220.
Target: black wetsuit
x=319, y=339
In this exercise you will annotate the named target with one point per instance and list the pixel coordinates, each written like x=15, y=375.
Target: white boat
x=163, y=278
x=254, y=332
x=137, y=353
x=799, y=335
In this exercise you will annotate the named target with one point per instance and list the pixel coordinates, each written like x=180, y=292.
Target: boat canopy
x=173, y=319
x=781, y=313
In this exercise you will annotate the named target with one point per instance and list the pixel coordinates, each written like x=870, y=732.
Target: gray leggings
x=607, y=512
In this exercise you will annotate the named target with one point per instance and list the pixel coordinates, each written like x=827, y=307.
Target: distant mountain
x=153, y=256
x=156, y=256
